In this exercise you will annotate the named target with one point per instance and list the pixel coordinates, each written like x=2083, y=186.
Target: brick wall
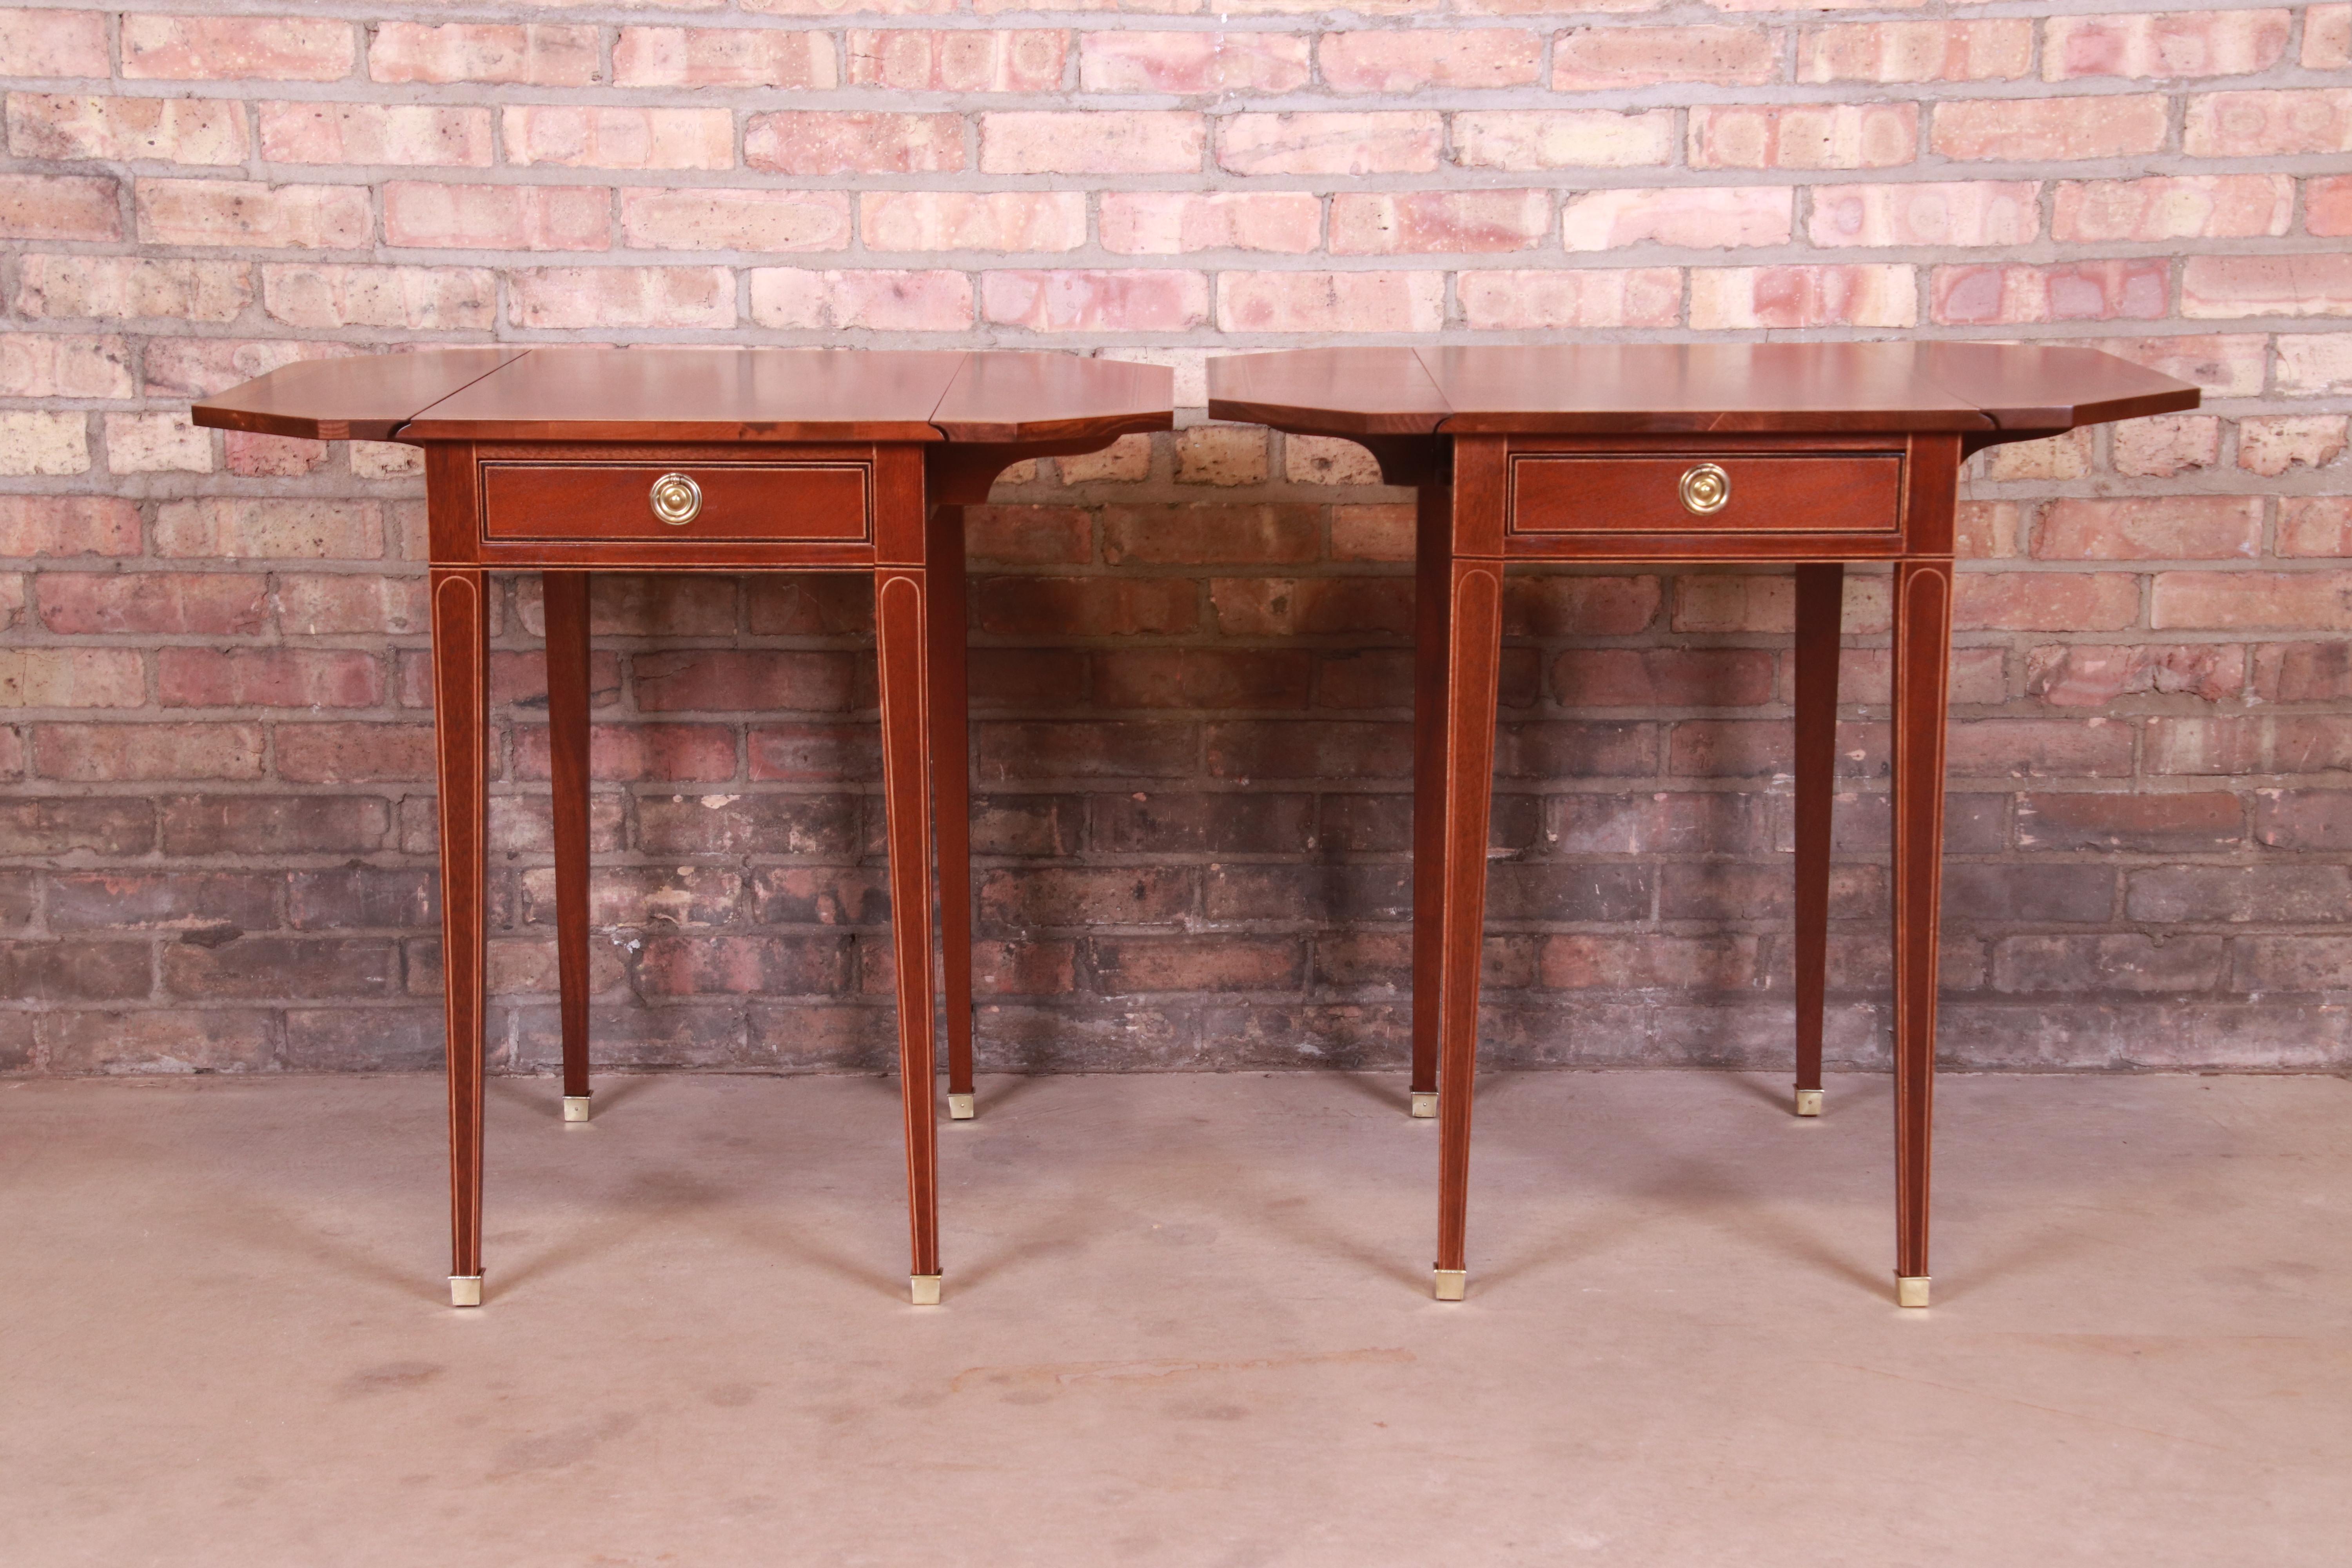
x=1191, y=731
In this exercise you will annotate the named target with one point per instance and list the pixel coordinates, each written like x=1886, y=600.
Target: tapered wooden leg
x=1821, y=595
x=460, y=662
x=565, y=594
x=951, y=754
x=1431, y=598
x=1923, y=634
x=900, y=633
x=1473, y=664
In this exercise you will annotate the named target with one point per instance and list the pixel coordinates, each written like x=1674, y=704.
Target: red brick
x=812, y=142
x=2308, y=525
x=1213, y=679
x=2266, y=124
x=2225, y=286
x=1804, y=136
x=723, y=57
x=354, y=754
x=1526, y=141
x=1186, y=536
x=1309, y=749
x=1089, y=749
x=534, y=54
x=2045, y=601
x=2237, y=894
x=2127, y=962
x=267, y=678
x=2328, y=206
x=2326, y=37
x=2271, y=445
x=1651, y=962
x=2170, y=45
x=631, y=753
x=1961, y=212
x=1291, y=607
x=2137, y=823
x=1331, y=302
x=1083, y=300
x=1806, y=296
x=2071, y=292
x=2167, y=445
x=1192, y=62
x=1029, y=535
x=1374, y=532
x=319, y=605
x=1571, y=298
x=1669, y=678
x=1024, y=968
x=975, y=220
x=2304, y=818
x=2289, y=743
x=2084, y=675
x=753, y=680
x=2047, y=129
x=118, y=286
x=33, y=207
x=1615, y=58
x=248, y=212
x=1388, y=61
x=1441, y=221
x=166, y=130
x=2292, y=601
x=53, y=43
x=68, y=525
x=2188, y=206
x=609, y=297
x=703, y=965
x=2040, y=748
x=1885, y=52
x=497, y=218
x=1098, y=141
x=209, y=603
x=1552, y=606
x=1027, y=900
x=1701, y=219
x=706, y=219
x=375, y=133
x=576, y=136
x=1164, y=223
x=74, y=972
x=1087, y=606
x=225, y=526
x=72, y=677
x=183, y=900
x=912, y=59
x=1312, y=143
x=1129, y=965
x=237, y=49
x=101, y=753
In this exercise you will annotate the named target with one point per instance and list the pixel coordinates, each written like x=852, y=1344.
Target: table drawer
x=1860, y=492
x=591, y=500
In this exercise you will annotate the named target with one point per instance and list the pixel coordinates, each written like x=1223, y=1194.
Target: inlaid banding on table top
x=992, y=397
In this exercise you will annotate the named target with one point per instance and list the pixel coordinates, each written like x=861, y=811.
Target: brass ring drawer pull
x=1706, y=490
x=677, y=499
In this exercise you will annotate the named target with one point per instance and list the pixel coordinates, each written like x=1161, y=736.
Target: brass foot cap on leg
x=959, y=1108
x=1450, y=1283
x=1809, y=1102
x=1423, y=1105
x=926, y=1289
x=464, y=1290
x=1911, y=1290
x=575, y=1108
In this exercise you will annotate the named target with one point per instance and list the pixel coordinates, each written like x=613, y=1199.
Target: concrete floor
x=1188, y=1322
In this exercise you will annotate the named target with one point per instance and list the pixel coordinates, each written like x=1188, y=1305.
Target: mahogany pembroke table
x=1813, y=454
x=569, y=460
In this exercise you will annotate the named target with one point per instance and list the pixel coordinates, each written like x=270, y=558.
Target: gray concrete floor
x=1186, y=1322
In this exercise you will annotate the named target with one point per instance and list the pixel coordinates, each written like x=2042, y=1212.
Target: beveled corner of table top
x=703, y=394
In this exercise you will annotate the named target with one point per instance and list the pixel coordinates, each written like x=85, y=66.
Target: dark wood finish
x=1820, y=607
x=1995, y=390
x=460, y=680
x=768, y=502
x=1432, y=607
x=900, y=633
x=565, y=599
x=950, y=760
x=1642, y=494
x=542, y=460
x=1836, y=452
x=361, y=399
x=1474, y=664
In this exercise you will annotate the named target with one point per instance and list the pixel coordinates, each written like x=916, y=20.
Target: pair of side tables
x=565, y=461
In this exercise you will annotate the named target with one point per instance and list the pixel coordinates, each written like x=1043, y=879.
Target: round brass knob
x=1705, y=488
x=676, y=500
